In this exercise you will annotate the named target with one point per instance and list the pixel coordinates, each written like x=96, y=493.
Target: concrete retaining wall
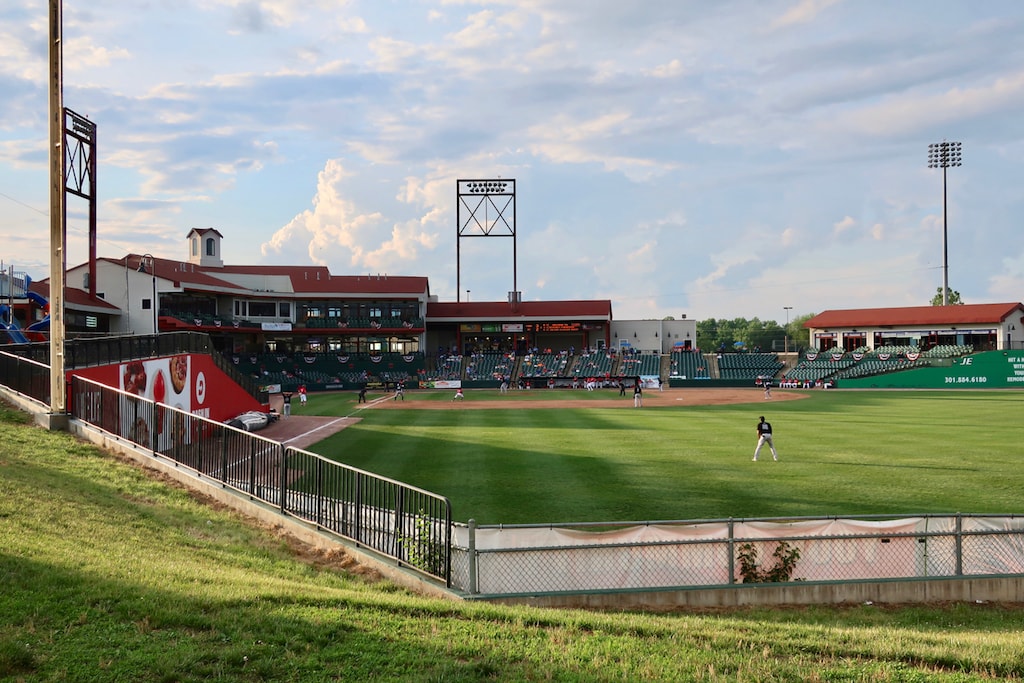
x=920, y=591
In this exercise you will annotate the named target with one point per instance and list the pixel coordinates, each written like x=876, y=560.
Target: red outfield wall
x=189, y=382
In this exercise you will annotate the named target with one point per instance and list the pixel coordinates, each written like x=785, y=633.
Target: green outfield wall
x=992, y=369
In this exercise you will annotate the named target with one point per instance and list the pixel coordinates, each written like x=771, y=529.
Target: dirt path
x=652, y=398
x=301, y=431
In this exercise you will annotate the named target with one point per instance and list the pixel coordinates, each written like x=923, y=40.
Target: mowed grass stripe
x=843, y=453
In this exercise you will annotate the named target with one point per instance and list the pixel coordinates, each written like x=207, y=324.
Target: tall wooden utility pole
x=58, y=403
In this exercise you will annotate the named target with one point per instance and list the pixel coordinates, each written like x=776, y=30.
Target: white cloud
x=666, y=154
x=848, y=223
x=336, y=229
x=802, y=12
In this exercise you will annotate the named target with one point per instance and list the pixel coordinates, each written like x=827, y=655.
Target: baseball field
x=568, y=456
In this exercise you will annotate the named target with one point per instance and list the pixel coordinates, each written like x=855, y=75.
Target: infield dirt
x=300, y=431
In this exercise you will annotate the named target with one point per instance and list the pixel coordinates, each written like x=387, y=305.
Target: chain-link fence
x=530, y=559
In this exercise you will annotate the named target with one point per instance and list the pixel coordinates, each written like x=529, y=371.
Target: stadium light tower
x=944, y=155
x=785, y=336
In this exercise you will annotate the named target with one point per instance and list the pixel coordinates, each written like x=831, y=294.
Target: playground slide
x=15, y=333
x=41, y=302
x=38, y=299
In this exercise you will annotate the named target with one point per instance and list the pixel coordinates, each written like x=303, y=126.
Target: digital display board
x=554, y=327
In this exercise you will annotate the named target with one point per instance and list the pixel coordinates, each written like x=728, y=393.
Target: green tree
x=954, y=297
x=798, y=338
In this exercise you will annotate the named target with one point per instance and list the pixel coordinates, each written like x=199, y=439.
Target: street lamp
x=944, y=155
x=152, y=269
x=785, y=336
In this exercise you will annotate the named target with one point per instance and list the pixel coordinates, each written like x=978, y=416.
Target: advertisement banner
x=190, y=382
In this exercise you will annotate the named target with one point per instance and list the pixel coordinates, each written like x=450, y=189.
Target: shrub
x=785, y=564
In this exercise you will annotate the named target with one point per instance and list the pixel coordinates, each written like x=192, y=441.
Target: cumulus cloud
x=802, y=12
x=784, y=150
x=848, y=223
x=336, y=231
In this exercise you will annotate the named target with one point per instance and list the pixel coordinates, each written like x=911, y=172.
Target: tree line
x=742, y=334
x=753, y=334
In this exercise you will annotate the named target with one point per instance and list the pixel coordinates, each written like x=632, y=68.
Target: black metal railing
x=403, y=522
x=25, y=376
x=84, y=353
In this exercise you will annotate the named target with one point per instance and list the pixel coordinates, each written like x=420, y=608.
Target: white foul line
x=311, y=431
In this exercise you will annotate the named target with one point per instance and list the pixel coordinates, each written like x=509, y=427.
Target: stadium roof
x=922, y=316
x=78, y=298
x=277, y=280
x=598, y=309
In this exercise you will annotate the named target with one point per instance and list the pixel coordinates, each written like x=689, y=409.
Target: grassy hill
x=109, y=574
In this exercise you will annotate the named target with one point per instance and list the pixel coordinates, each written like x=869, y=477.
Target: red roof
x=203, y=231
x=599, y=309
x=918, y=316
x=303, y=279
x=79, y=298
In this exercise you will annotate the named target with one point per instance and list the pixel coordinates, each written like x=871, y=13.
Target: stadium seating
x=316, y=370
x=688, y=365
x=748, y=365
x=544, y=365
x=593, y=364
x=446, y=368
x=948, y=351
x=489, y=366
x=642, y=364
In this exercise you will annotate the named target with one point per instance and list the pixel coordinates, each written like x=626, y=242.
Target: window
x=262, y=309
x=211, y=247
x=284, y=309
x=375, y=312
x=147, y=304
x=195, y=246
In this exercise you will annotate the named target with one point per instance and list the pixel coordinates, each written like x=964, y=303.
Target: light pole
x=944, y=155
x=152, y=270
x=785, y=343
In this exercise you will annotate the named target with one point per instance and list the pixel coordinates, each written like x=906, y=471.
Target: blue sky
x=719, y=159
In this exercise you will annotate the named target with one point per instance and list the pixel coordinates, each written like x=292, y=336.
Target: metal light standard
x=152, y=269
x=785, y=343
x=944, y=155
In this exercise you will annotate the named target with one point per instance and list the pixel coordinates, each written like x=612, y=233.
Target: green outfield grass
x=842, y=453
x=111, y=575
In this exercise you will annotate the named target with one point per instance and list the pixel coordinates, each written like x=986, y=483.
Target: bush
x=785, y=564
